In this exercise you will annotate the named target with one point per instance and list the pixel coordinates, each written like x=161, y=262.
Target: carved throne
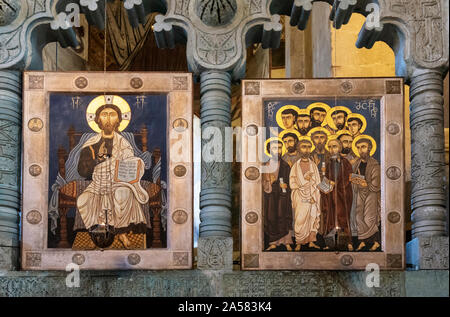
x=69, y=192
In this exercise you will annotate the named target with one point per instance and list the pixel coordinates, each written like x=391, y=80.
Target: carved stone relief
x=136, y=82
x=394, y=261
x=179, y=216
x=35, y=124
x=180, y=83
x=215, y=253
x=78, y=258
x=34, y=217
x=81, y=82
x=251, y=260
x=298, y=88
x=251, y=217
x=180, y=258
x=9, y=153
x=424, y=18
x=35, y=170
x=134, y=259
x=36, y=82
x=33, y=259
x=252, y=173
x=252, y=88
x=394, y=217
x=393, y=173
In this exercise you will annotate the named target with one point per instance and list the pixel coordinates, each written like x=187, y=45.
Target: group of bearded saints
x=321, y=145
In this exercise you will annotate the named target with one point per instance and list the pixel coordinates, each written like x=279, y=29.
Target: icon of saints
x=114, y=198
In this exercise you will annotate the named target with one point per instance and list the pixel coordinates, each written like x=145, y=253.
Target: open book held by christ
x=128, y=171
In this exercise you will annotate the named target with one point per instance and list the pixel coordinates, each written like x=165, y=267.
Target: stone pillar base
x=428, y=253
x=215, y=253
x=8, y=258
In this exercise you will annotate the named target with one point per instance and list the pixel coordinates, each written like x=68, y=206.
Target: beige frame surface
x=390, y=92
x=36, y=89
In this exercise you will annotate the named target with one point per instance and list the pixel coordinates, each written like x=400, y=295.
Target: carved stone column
x=216, y=34
x=417, y=31
x=10, y=131
x=429, y=247
x=215, y=242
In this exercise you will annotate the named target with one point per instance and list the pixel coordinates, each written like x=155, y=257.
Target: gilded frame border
x=36, y=88
x=390, y=91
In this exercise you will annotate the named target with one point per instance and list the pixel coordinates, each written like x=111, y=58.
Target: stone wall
x=234, y=284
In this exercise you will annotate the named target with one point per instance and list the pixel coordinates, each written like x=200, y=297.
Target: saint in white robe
x=305, y=198
x=122, y=200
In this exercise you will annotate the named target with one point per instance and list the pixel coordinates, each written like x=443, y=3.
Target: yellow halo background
x=317, y=129
x=360, y=117
x=328, y=120
x=364, y=136
x=318, y=104
x=341, y=132
x=304, y=137
x=99, y=101
x=282, y=133
x=278, y=116
x=303, y=111
x=283, y=148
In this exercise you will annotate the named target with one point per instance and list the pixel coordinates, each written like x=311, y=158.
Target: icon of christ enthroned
x=113, y=209
x=113, y=199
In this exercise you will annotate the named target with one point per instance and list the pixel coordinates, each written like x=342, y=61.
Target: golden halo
x=328, y=120
x=360, y=117
x=318, y=129
x=307, y=138
x=99, y=101
x=341, y=132
x=303, y=112
x=322, y=105
x=282, y=133
x=364, y=136
x=278, y=116
x=283, y=148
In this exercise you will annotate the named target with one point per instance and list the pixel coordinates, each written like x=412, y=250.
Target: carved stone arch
x=37, y=25
x=221, y=47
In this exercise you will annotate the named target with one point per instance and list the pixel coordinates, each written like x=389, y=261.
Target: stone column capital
x=416, y=30
x=217, y=37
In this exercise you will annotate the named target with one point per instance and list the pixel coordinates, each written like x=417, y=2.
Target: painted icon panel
x=107, y=171
x=100, y=180
x=322, y=197
x=325, y=195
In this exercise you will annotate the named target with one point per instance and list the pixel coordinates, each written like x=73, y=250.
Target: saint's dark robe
x=339, y=201
x=277, y=204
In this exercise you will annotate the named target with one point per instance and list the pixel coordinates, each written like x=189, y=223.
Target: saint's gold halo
x=360, y=117
x=307, y=138
x=99, y=101
x=278, y=116
x=318, y=129
x=322, y=105
x=364, y=136
x=329, y=120
x=303, y=112
x=282, y=133
x=341, y=132
x=283, y=148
